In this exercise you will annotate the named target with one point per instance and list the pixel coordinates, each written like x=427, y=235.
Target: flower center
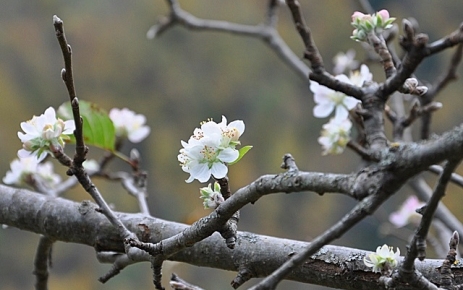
x=209, y=154
x=337, y=98
x=232, y=134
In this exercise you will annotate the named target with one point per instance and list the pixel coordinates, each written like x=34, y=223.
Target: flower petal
x=201, y=172
x=228, y=155
x=323, y=110
x=137, y=136
x=219, y=170
x=239, y=125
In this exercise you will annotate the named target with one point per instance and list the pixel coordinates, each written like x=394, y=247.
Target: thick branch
x=331, y=266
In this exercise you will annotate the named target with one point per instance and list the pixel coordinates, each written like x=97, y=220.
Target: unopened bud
x=134, y=155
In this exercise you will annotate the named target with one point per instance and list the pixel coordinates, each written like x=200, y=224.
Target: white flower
x=212, y=198
x=24, y=169
x=407, y=212
x=328, y=100
x=130, y=125
x=210, y=148
x=383, y=260
x=205, y=158
x=229, y=134
x=335, y=135
x=42, y=132
x=344, y=61
x=19, y=168
x=359, y=78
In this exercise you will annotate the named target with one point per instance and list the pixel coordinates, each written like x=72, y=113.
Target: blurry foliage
x=177, y=81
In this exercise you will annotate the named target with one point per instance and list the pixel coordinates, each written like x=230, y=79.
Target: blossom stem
x=121, y=156
x=381, y=49
x=230, y=229
x=224, y=187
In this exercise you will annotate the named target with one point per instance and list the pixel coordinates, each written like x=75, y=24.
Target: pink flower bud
x=384, y=14
x=357, y=14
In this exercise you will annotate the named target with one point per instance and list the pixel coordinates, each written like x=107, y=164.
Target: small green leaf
x=98, y=128
x=242, y=152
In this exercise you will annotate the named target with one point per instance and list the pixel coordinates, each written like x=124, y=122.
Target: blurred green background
x=177, y=81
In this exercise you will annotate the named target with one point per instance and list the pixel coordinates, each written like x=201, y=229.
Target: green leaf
x=98, y=129
x=242, y=152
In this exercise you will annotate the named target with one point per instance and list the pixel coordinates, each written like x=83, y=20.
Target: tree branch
x=41, y=263
x=266, y=32
x=331, y=266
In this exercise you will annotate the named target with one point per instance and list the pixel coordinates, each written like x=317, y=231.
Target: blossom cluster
x=25, y=170
x=28, y=171
x=210, y=149
x=129, y=125
x=344, y=61
x=44, y=134
x=336, y=133
x=366, y=23
x=383, y=260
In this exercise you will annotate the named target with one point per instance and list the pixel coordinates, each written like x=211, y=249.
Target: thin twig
x=311, y=53
x=380, y=47
x=445, y=270
x=75, y=165
x=455, y=178
x=437, y=87
x=359, y=212
x=120, y=261
x=266, y=32
x=443, y=214
x=417, y=247
x=179, y=284
x=42, y=262
x=229, y=230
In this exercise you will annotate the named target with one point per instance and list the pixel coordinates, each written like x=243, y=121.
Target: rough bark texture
x=69, y=221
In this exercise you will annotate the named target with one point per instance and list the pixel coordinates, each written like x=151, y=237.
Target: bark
x=68, y=221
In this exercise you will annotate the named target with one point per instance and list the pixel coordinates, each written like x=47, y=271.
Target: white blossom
x=328, y=100
x=130, y=125
x=384, y=260
x=42, y=132
x=360, y=77
x=210, y=148
x=344, y=62
x=23, y=170
x=335, y=136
